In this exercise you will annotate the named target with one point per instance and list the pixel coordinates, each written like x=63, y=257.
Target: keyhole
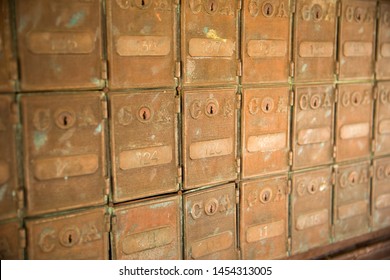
x=211, y=210
x=211, y=110
x=144, y=115
x=65, y=120
x=212, y=7
x=265, y=197
x=315, y=103
x=312, y=188
x=358, y=16
x=70, y=239
x=267, y=107
x=355, y=100
x=353, y=180
x=143, y=3
x=268, y=11
x=317, y=15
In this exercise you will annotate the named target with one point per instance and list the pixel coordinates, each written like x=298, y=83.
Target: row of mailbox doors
x=63, y=39
x=154, y=149
x=325, y=206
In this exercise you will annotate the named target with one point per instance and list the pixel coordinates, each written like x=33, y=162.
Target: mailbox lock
x=212, y=108
x=144, y=114
x=65, y=119
x=268, y=9
x=312, y=187
x=267, y=105
x=211, y=207
x=266, y=195
x=70, y=236
x=317, y=12
x=358, y=15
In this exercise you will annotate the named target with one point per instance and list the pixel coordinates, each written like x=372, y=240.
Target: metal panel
x=209, y=137
x=383, y=42
x=143, y=144
x=209, y=42
x=356, y=39
x=381, y=194
x=314, y=40
x=60, y=45
x=8, y=69
x=264, y=218
x=11, y=241
x=311, y=209
x=265, y=125
x=80, y=235
x=354, y=121
x=141, y=43
x=8, y=169
x=382, y=120
x=313, y=126
x=265, y=50
x=352, y=201
x=64, y=148
x=148, y=229
x=210, y=223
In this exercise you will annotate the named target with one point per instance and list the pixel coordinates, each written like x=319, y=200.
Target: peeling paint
x=40, y=139
x=75, y=19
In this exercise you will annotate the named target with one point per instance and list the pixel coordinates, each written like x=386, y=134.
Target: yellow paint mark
x=212, y=34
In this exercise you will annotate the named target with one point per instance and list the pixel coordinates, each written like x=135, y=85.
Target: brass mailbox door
x=383, y=42
x=148, y=229
x=209, y=137
x=354, y=121
x=64, y=151
x=8, y=168
x=265, y=41
x=76, y=236
x=60, y=45
x=356, y=39
x=264, y=218
x=10, y=242
x=313, y=126
x=315, y=40
x=382, y=120
x=311, y=209
x=352, y=201
x=209, y=42
x=265, y=126
x=381, y=193
x=8, y=71
x=210, y=224
x=143, y=144
x=141, y=43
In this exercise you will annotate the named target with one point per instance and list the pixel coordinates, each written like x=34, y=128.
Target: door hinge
x=20, y=197
x=178, y=69
x=334, y=174
x=293, y=7
x=107, y=222
x=177, y=104
x=13, y=73
x=378, y=12
x=371, y=171
x=22, y=238
x=337, y=68
x=292, y=95
x=238, y=165
x=292, y=69
x=239, y=68
x=289, y=244
x=290, y=158
x=14, y=113
x=334, y=151
x=179, y=175
x=333, y=230
x=104, y=109
x=238, y=100
x=239, y=5
x=338, y=11
x=237, y=196
x=107, y=186
x=336, y=95
x=104, y=70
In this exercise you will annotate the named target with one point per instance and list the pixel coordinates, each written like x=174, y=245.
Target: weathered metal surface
x=383, y=42
x=149, y=229
x=143, y=144
x=209, y=43
x=265, y=126
x=210, y=223
x=266, y=50
x=11, y=242
x=60, y=45
x=380, y=204
x=356, y=39
x=264, y=218
x=354, y=121
x=8, y=166
x=209, y=137
x=313, y=126
x=8, y=69
x=351, y=208
x=80, y=235
x=382, y=120
x=64, y=151
x=315, y=40
x=311, y=209
x=141, y=43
